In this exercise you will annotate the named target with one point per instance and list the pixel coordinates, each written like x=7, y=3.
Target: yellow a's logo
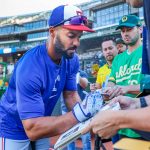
x=124, y=19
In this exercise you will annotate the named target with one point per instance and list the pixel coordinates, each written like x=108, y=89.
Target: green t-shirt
x=126, y=70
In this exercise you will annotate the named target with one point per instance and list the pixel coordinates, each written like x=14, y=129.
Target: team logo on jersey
x=54, y=90
x=56, y=80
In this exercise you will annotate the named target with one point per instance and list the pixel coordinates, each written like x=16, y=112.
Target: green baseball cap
x=129, y=21
x=119, y=41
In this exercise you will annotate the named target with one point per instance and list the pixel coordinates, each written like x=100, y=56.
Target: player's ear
x=52, y=32
x=141, y=29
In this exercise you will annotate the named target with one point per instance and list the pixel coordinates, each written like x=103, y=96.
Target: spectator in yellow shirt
x=109, y=50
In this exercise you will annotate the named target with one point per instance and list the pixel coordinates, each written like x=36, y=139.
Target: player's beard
x=60, y=49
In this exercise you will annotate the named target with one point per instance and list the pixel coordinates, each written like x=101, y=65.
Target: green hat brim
x=125, y=25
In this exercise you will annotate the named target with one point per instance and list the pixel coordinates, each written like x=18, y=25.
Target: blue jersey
x=34, y=88
x=146, y=39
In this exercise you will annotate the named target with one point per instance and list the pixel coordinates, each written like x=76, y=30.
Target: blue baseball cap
x=129, y=21
x=70, y=17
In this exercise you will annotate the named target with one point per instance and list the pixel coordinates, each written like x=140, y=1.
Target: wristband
x=79, y=113
x=89, y=106
x=143, y=102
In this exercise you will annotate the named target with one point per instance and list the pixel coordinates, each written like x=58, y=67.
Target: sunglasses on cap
x=76, y=20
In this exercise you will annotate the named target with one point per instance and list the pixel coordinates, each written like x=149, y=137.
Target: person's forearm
x=71, y=98
x=147, y=98
x=133, y=89
x=135, y=119
x=136, y=102
x=41, y=127
x=83, y=82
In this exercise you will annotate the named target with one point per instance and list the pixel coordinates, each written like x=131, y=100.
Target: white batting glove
x=90, y=106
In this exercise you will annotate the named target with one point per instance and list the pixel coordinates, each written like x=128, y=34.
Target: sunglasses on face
x=76, y=20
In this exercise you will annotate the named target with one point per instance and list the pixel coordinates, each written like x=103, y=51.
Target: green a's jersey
x=126, y=70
